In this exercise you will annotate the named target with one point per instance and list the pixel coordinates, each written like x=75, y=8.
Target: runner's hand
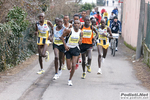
x=104, y=35
x=50, y=38
x=80, y=41
x=36, y=33
x=67, y=48
x=93, y=41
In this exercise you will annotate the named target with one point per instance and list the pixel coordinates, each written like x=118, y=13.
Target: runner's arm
x=51, y=25
x=36, y=29
x=81, y=36
x=109, y=31
x=70, y=26
x=96, y=33
x=66, y=32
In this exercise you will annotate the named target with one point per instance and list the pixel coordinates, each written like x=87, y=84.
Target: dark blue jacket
x=115, y=26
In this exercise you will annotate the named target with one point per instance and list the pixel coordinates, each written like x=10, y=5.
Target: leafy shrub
x=16, y=43
x=86, y=6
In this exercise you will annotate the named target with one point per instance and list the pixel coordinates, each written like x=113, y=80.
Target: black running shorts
x=72, y=52
x=61, y=48
x=85, y=47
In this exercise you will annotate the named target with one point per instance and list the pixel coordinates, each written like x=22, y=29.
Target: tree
x=78, y=1
x=86, y=6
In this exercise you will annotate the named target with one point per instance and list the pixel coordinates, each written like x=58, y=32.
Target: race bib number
x=42, y=34
x=82, y=23
x=58, y=41
x=94, y=34
x=101, y=37
x=73, y=41
x=87, y=33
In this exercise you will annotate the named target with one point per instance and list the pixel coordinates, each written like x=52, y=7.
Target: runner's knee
x=56, y=58
x=99, y=56
x=73, y=64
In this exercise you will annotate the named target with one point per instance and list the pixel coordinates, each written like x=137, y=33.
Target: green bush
x=86, y=6
x=16, y=43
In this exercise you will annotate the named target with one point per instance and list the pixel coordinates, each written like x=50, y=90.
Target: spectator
x=102, y=11
x=107, y=21
x=107, y=2
x=112, y=16
x=92, y=13
x=83, y=16
x=98, y=17
x=105, y=14
x=115, y=11
x=113, y=2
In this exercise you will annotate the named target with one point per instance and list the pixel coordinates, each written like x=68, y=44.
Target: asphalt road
x=118, y=76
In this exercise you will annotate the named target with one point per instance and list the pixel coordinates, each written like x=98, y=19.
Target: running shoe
x=55, y=77
x=41, y=71
x=70, y=83
x=103, y=59
x=70, y=70
x=80, y=60
x=116, y=49
x=59, y=72
x=63, y=67
x=99, y=71
x=47, y=56
x=109, y=45
x=88, y=68
x=77, y=65
x=83, y=75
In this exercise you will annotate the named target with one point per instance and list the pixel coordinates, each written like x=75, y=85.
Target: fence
x=147, y=39
x=14, y=50
x=146, y=43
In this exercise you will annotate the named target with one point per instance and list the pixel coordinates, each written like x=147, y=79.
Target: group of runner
x=72, y=41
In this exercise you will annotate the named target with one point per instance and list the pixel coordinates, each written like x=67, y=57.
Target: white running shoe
x=55, y=77
x=59, y=72
x=70, y=83
x=63, y=67
x=41, y=71
x=103, y=59
x=116, y=49
x=99, y=71
x=109, y=45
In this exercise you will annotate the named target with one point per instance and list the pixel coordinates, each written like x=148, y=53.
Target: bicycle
x=113, y=43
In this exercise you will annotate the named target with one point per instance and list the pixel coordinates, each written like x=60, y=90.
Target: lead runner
x=73, y=39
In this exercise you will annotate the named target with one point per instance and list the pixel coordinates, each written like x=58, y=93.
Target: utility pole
x=121, y=12
x=140, y=30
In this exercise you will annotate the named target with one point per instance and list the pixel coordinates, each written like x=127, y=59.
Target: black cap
x=115, y=17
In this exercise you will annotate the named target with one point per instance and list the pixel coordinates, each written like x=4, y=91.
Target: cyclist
x=103, y=43
x=42, y=30
x=115, y=26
